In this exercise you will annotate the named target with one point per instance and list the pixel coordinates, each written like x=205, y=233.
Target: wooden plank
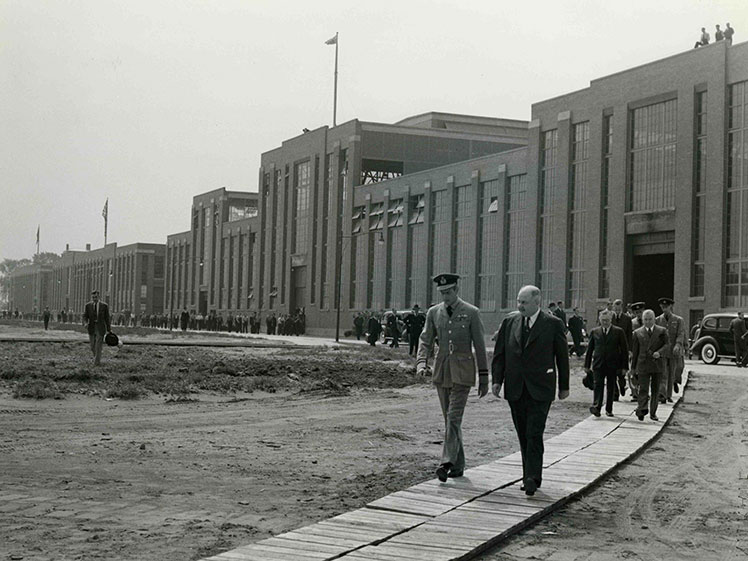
x=341, y=542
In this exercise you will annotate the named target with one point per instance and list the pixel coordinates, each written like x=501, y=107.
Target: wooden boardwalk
x=435, y=521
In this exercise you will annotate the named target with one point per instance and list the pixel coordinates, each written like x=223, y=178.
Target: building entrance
x=652, y=278
x=298, y=288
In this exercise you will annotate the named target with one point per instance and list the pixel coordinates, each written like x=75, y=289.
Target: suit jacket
x=544, y=355
x=676, y=332
x=624, y=322
x=609, y=352
x=457, y=336
x=644, y=346
x=97, y=324
x=737, y=327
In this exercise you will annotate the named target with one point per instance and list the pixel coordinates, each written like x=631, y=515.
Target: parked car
x=713, y=339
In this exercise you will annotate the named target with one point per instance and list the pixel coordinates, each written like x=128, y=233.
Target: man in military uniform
x=737, y=328
x=674, y=352
x=457, y=325
x=637, y=308
x=624, y=322
x=414, y=326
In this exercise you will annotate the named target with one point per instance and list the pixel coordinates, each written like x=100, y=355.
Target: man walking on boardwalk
x=674, y=353
x=458, y=328
x=648, y=344
x=607, y=355
x=530, y=351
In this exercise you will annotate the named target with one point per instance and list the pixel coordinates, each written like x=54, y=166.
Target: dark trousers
x=604, y=377
x=413, y=343
x=529, y=417
x=46, y=324
x=739, y=349
x=649, y=387
x=577, y=337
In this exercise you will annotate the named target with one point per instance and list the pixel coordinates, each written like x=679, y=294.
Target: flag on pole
x=105, y=214
x=333, y=41
x=37, y=237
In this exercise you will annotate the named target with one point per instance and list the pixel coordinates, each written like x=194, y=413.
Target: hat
x=111, y=339
x=445, y=281
x=636, y=306
x=664, y=301
x=415, y=306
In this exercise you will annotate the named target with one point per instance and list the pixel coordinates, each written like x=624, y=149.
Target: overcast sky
x=150, y=102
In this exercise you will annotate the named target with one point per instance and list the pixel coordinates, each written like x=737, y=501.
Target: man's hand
x=563, y=394
x=677, y=349
x=496, y=390
x=482, y=388
x=656, y=354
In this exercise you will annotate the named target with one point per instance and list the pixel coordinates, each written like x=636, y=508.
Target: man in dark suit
x=648, y=342
x=373, y=328
x=576, y=327
x=623, y=321
x=414, y=325
x=607, y=355
x=96, y=316
x=530, y=348
x=738, y=329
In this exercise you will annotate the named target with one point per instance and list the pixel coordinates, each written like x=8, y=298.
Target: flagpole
x=105, y=214
x=37, y=238
x=335, y=93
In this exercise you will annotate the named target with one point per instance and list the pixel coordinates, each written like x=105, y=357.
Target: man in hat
x=96, y=315
x=530, y=348
x=576, y=327
x=619, y=319
x=674, y=353
x=414, y=326
x=458, y=327
x=45, y=316
x=637, y=308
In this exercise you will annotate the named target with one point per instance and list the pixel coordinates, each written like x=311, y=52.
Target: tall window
x=464, y=254
x=603, y=290
x=736, y=254
x=578, y=213
x=416, y=261
x=653, y=144
x=395, y=254
x=549, y=162
x=440, y=233
x=358, y=257
x=514, y=238
x=324, y=297
x=376, y=255
x=302, y=184
x=699, y=192
x=488, y=257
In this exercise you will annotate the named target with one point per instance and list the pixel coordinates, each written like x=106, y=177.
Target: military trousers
x=739, y=349
x=453, y=401
x=672, y=372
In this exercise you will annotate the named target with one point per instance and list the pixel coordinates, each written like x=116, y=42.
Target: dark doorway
x=298, y=288
x=202, y=303
x=653, y=277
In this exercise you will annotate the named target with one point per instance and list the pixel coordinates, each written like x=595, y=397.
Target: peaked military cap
x=665, y=301
x=636, y=306
x=445, y=281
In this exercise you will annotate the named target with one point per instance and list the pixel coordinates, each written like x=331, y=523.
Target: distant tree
x=7, y=266
x=45, y=258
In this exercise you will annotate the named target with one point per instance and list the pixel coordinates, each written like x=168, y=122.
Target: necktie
x=449, y=311
x=525, y=330
x=649, y=332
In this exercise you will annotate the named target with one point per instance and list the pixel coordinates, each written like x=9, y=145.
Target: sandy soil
x=685, y=497
x=87, y=477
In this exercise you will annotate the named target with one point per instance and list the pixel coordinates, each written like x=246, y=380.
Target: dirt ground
x=226, y=447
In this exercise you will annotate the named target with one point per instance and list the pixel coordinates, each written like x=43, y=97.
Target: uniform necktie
x=449, y=311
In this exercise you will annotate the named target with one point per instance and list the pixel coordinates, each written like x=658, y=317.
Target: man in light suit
x=622, y=320
x=96, y=315
x=674, y=352
x=530, y=349
x=649, y=341
x=607, y=354
x=458, y=328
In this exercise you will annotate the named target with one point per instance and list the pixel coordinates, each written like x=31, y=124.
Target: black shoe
x=609, y=413
x=669, y=400
x=675, y=387
x=455, y=473
x=663, y=400
x=442, y=472
x=640, y=416
x=522, y=487
x=530, y=486
x=595, y=411
x=634, y=398
x=654, y=417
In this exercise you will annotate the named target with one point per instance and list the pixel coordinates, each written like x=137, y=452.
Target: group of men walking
x=650, y=349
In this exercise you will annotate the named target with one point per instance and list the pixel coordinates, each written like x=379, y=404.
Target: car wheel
x=709, y=353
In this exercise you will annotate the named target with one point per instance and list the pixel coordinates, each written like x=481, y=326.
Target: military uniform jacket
x=535, y=365
x=676, y=333
x=457, y=335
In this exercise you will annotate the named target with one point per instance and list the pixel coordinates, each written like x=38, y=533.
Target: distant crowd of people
x=719, y=35
x=396, y=326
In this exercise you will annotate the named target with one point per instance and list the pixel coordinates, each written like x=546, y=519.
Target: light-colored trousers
x=672, y=372
x=97, y=342
x=453, y=401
